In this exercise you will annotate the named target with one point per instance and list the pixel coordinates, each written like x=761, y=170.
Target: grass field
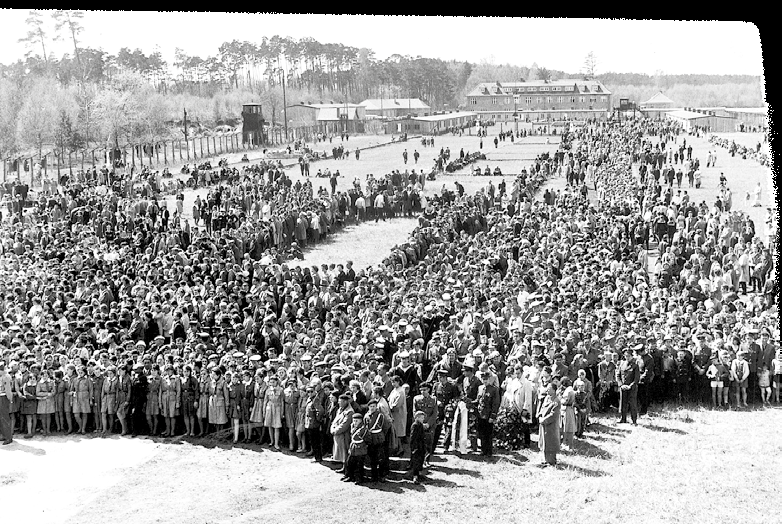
x=679, y=465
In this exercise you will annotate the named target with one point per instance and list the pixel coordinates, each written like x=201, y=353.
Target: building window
x=604, y=99
x=548, y=99
x=530, y=89
x=572, y=100
x=494, y=100
x=583, y=99
x=528, y=100
x=473, y=101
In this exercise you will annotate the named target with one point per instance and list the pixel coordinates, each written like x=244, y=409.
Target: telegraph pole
x=284, y=105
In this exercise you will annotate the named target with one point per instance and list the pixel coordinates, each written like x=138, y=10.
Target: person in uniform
x=426, y=403
x=138, y=398
x=487, y=406
x=189, y=403
x=627, y=376
x=447, y=394
x=314, y=415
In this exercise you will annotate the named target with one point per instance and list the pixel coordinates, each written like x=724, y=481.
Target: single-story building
x=328, y=118
x=395, y=107
x=658, y=101
x=433, y=124
x=709, y=121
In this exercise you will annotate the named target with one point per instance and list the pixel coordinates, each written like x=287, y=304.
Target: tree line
x=91, y=98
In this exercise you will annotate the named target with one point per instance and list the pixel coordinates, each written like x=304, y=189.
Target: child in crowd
x=417, y=446
x=357, y=450
x=776, y=368
x=764, y=383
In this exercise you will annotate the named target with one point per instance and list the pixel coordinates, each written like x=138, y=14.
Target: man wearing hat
x=447, y=394
x=627, y=376
x=488, y=404
x=426, y=403
x=464, y=417
x=646, y=368
x=340, y=430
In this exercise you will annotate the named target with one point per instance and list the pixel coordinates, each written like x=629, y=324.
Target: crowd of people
x=501, y=313
x=744, y=152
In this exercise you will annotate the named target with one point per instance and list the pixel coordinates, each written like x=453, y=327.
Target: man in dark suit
x=627, y=376
x=488, y=405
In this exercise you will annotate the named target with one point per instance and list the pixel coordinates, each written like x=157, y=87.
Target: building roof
x=376, y=104
x=659, y=98
x=754, y=110
x=506, y=88
x=321, y=106
x=446, y=116
x=683, y=114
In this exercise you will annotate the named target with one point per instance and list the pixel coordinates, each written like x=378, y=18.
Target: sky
x=632, y=46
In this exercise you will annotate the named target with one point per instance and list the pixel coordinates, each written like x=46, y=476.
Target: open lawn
x=680, y=465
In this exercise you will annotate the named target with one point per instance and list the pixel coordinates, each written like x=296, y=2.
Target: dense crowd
x=753, y=153
x=500, y=313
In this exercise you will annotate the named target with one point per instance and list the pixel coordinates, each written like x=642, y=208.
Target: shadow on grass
x=584, y=472
x=585, y=449
x=456, y=471
x=16, y=445
x=663, y=429
x=601, y=438
x=597, y=428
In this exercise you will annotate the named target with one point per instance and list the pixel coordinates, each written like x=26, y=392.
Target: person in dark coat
x=627, y=376
x=138, y=400
x=417, y=446
x=488, y=405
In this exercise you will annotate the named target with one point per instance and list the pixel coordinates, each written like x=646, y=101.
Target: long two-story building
x=540, y=100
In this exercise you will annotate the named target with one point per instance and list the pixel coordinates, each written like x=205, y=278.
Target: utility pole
x=284, y=105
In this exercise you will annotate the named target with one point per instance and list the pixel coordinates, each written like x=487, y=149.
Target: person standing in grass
x=739, y=373
x=567, y=397
x=717, y=372
x=357, y=451
x=776, y=371
x=628, y=375
x=548, y=420
x=417, y=446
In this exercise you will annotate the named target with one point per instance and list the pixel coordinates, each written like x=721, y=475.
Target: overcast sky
x=619, y=45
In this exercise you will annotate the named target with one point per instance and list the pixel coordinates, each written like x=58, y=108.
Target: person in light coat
x=340, y=430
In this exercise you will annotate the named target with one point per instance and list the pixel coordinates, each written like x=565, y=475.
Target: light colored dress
x=397, y=401
x=256, y=416
x=272, y=407
x=218, y=401
x=81, y=389
x=45, y=388
x=170, y=389
x=109, y=396
x=153, y=396
x=568, y=410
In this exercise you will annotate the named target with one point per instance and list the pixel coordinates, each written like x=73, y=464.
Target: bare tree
x=590, y=66
x=35, y=34
x=70, y=20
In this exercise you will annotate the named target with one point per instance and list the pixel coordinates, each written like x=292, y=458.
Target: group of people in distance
x=502, y=313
